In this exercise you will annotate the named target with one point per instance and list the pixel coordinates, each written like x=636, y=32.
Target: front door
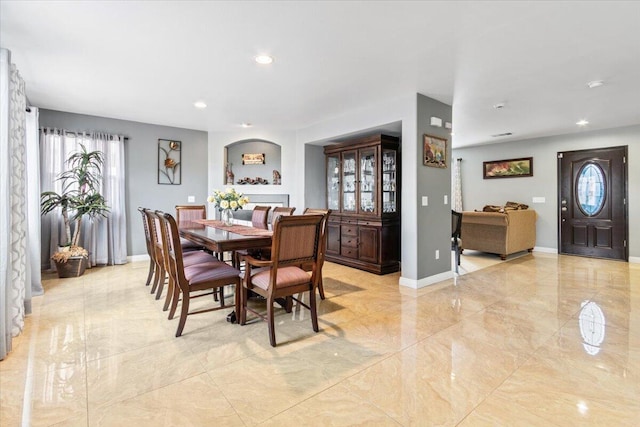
x=592, y=204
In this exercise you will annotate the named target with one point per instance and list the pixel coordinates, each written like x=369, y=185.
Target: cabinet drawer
x=350, y=241
x=370, y=223
x=349, y=230
x=349, y=252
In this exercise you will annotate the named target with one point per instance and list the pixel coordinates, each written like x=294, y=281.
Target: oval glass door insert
x=591, y=189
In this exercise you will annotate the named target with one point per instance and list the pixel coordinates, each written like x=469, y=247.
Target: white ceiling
x=149, y=61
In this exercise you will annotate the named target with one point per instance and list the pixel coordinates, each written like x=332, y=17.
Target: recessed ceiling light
x=200, y=104
x=582, y=122
x=246, y=125
x=595, y=83
x=264, y=59
x=499, y=105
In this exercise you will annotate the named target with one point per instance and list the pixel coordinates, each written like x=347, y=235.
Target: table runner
x=236, y=228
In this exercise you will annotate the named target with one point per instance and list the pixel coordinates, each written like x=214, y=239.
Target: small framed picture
x=434, y=151
x=253, y=159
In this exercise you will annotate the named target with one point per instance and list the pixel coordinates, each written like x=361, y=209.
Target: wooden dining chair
x=158, y=257
x=212, y=274
x=159, y=243
x=323, y=243
x=279, y=211
x=149, y=244
x=296, y=241
x=185, y=216
x=259, y=219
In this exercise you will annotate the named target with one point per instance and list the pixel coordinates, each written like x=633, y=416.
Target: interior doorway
x=592, y=203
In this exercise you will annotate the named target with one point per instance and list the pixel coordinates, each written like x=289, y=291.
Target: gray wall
x=433, y=220
x=141, y=156
x=315, y=187
x=478, y=192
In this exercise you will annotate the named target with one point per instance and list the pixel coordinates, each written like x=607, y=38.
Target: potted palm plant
x=79, y=198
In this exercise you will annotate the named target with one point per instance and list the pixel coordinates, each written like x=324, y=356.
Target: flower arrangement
x=228, y=199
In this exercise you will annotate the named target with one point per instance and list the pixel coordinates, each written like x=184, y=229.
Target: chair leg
x=270, y=321
x=242, y=314
x=160, y=287
x=314, y=309
x=321, y=287
x=152, y=268
x=160, y=278
x=174, y=301
x=183, y=314
x=167, y=299
x=221, y=292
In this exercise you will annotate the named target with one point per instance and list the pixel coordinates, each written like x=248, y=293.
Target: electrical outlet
x=191, y=199
x=425, y=201
x=437, y=254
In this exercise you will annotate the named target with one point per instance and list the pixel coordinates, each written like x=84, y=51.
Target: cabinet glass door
x=349, y=181
x=389, y=199
x=368, y=180
x=333, y=182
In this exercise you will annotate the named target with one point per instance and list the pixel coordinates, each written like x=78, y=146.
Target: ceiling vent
x=498, y=135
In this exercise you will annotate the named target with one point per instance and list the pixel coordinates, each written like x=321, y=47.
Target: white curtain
x=104, y=238
x=457, y=186
x=15, y=269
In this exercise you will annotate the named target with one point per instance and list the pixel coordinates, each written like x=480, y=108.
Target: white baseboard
x=136, y=258
x=634, y=260
x=426, y=281
x=545, y=250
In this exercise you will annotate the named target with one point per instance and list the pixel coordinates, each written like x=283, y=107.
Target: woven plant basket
x=74, y=267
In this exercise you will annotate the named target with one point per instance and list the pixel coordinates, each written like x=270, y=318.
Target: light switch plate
x=425, y=201
x=446, y=199
x=191, y=199
x=539, y=200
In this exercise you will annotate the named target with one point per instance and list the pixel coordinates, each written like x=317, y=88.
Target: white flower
x=228, y=198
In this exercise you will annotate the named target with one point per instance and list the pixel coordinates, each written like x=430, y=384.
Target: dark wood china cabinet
x=363, y=192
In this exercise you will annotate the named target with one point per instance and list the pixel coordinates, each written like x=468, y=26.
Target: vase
x=227, y=217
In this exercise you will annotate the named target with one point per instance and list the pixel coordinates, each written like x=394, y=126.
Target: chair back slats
x=280, y=211
x=260, y=217
x=294, y=243
x=186, y=214
x=145, y=223
x=173, y=247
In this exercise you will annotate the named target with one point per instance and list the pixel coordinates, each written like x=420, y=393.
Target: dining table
x=219, y=238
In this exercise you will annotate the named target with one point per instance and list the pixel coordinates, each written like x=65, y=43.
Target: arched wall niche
x=234, y=154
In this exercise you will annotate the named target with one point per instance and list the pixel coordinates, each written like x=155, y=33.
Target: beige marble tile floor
x=537, y=340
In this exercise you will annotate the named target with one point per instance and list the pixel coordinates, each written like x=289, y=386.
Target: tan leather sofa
x=499, y=233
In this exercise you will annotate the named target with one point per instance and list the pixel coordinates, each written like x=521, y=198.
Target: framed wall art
x=253, y=159
x=169, y=162
x=434, y=151
x=511, y=168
